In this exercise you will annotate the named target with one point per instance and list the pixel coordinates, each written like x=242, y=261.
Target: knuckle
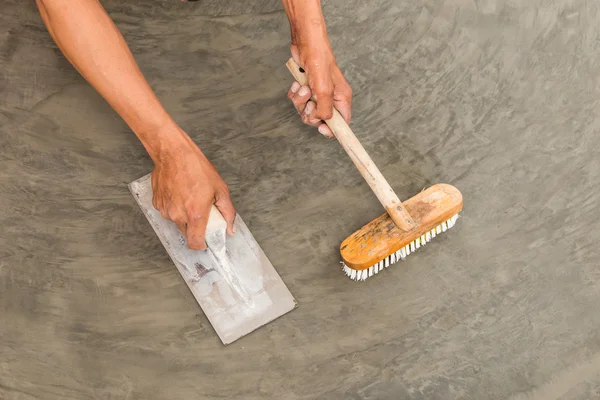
x=323, y=95
x=176, y=215
x=192, y=213
x=326, y=114
x=191, y=208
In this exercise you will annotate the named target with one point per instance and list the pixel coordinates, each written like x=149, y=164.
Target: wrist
x=163, y=141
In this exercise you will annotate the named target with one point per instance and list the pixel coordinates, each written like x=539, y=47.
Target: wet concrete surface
x=497, y=97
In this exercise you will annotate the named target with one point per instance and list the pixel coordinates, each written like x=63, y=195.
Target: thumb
x=225, y=206
x=296, y=55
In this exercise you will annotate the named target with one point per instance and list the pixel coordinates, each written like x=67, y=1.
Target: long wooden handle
x=363, y=162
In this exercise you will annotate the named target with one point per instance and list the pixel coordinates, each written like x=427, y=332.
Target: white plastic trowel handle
x=216, y=222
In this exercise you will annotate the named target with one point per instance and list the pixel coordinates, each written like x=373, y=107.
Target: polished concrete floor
x=497, y=97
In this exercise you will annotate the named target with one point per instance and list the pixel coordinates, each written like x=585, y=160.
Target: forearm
x=307, y=24
x=92, y=43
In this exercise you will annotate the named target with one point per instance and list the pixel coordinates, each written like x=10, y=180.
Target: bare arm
x=185, y=183
x=92, y=43
x=311, y=49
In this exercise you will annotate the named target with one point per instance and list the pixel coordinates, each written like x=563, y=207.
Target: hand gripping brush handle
x=361, y=159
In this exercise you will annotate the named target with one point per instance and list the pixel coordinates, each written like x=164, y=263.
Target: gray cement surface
x=497, y=97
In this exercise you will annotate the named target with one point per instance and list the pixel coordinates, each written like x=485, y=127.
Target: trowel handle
x=361, y=159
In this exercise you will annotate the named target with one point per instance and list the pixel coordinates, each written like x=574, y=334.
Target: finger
x=155, y=201
x=154, y=180
x=293, y=89
x=163, y=209
x=307, y=115
x=300, y=98
x=344, y=109
x=182, y=229
x=343, y=100
x=225, y=205
x=177, y=215
x=196, y=227
x=160, y=204
x=296, y=54
x=325, y=130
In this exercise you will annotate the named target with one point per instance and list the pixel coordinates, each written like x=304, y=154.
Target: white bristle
x=361, y=275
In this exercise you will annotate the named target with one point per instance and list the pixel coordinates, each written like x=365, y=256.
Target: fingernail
x=323, y=130
x=234, y=230
x=295, y=87
x=303, y=91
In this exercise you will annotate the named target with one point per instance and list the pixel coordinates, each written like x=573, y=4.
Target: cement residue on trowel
x=216, y=240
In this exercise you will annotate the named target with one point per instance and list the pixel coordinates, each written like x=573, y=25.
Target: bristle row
x=361, y=275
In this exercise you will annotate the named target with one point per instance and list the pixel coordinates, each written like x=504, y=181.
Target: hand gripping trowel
x=233, y=281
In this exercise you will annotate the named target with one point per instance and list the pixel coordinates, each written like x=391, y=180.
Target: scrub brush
x=405, y=227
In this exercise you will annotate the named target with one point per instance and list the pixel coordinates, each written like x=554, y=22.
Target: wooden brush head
x=381, y=237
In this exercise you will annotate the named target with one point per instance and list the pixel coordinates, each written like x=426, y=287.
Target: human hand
x=325, y=81
x=185, y=185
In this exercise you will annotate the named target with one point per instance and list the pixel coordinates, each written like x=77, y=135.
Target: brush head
x=381, y=243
